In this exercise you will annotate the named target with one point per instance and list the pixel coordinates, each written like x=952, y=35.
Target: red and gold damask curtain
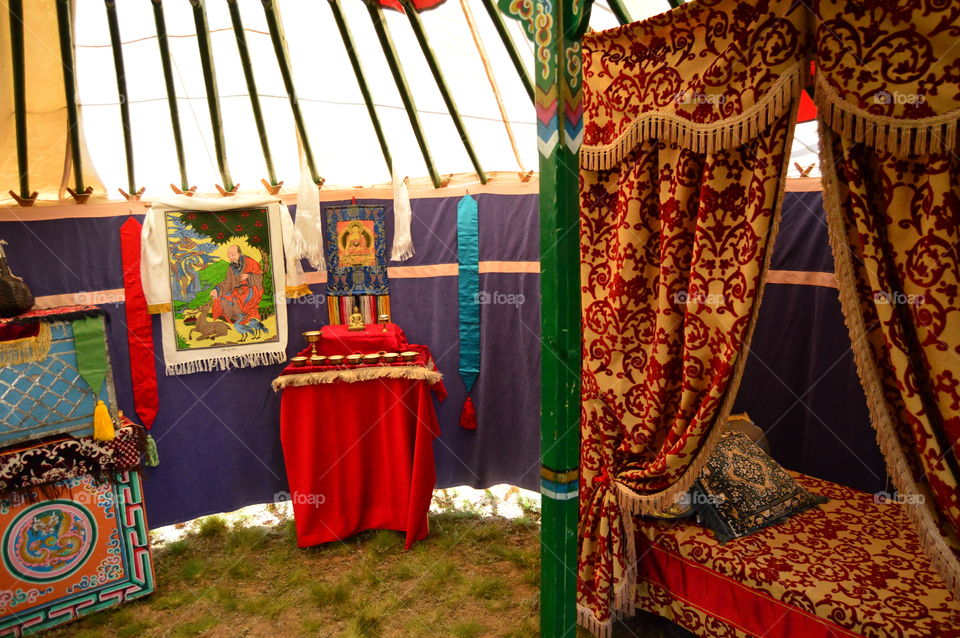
x=888, y=88
x=688, y=122
x=688, y=128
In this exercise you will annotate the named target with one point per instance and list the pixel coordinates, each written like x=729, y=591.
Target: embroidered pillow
x=742, y=490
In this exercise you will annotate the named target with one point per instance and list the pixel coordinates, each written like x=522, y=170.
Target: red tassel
x=468, y=417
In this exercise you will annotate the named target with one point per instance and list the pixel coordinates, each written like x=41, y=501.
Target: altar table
x=359, y=453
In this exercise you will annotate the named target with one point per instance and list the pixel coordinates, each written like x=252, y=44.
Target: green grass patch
x=212, y=527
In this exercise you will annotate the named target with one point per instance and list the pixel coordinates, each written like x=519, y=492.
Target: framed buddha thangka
x=356, y=251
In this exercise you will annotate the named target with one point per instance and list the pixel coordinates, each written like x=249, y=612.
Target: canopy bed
x=687, y=119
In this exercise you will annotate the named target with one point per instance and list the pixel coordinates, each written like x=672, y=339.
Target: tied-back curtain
x=887, y=87
x=688, y=126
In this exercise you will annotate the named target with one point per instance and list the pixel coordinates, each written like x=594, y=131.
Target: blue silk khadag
x=468, y=289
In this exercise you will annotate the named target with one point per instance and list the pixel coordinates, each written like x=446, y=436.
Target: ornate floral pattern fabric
x=22, y=470
x=851, y=567
x=685, y=117
x=888, y=87
x=679, y=203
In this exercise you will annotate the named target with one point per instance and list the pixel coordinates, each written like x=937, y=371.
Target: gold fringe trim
x=295, y=292
x=894, y=135
x=934, y=545
x=631, y=503
x=159, y=308
x=700, y=138
x=416, y=373
x=27, y=349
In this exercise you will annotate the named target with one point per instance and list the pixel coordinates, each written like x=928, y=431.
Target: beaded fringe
x=416, y=373
x=894, y=135
x=700, y=138
x=27, y=349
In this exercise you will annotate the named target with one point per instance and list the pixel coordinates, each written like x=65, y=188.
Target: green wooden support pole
x=165, y=62
x=19, y=95
x=620, y=11
x=117, y=46
x=347, y=38
x=511, y=47
x=675, y=3
x=559, y=103
x=283, y=61
x=390, y=52
x=417, y=25
x=65, y=29
x=251, y=87
x=213, y=96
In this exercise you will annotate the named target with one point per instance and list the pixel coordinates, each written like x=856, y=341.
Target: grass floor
x=474, y=576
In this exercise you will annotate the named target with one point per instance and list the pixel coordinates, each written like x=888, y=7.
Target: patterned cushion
x=742, y=490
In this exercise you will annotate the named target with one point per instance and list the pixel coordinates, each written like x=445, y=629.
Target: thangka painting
x=221, y=280
x=356, y=251
x=70, y=556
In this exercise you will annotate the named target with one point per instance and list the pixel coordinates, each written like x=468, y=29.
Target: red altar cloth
x=359, y=456
x=342, y=340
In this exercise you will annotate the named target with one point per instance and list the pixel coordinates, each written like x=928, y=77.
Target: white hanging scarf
x=193, y=246
x=308, y=229
x=402, y=220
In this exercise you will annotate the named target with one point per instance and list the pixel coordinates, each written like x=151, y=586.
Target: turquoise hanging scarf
x=468, y=256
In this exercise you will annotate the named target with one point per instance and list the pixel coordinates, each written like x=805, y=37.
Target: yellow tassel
x=102, y=423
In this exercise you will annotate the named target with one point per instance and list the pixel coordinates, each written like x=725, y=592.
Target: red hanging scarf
x=143, y=370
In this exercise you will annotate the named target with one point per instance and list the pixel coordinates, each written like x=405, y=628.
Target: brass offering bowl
x=312, y=337
x=389, y=357
x=317, y=360
x=409, y=355
x=371, y=358
x=354, y=359
x=335, y=360
x=298, y=362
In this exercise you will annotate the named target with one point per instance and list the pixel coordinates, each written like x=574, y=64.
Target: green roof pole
x=65, y=29
x=252, y=88
x=163, y=43
x=213, y=96
x=361, y=80
x=511, y=47
x=620, y=11
x=417, y=25
x=20, y=102
x=117, y=46
x=276, y=36
x=390, y=52
x=675, y=3
x=559, y=105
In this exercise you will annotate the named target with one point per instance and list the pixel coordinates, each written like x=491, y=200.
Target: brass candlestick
x=312, y=337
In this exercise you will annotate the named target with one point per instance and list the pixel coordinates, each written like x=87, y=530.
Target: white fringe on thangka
x=248, y=360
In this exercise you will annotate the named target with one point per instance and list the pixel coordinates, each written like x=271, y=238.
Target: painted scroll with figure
x=356, y=251
x=224, y=274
